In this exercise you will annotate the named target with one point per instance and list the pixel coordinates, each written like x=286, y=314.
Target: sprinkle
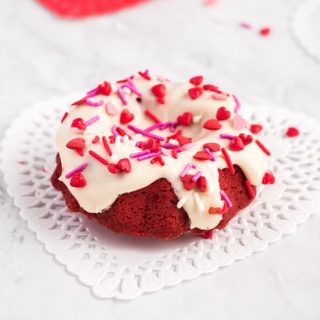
x=226, y=199
x=149, y=155
x=226, y=136
x=265, y=31
x=292, y=132
x=122, y=97
x=111, y=109
x=117, y=141
x=213, y=157
x=181, y=202
x=131, y=86
x=262, y=147
x=95, y=139
x=152, y=116
x=106, y=145
x=125, y=80
x=92, y=120
x=64, y=117
x=256, y=128
x=197, y=176
x=154, y=126
x=145, y=74
x=218, y=97
x=98, y=157
x=80, y=168
x=114, y=130
x=245, y=25
x=228, y=160
x=168, y=124
x=92, y=93
x=144, y=133
x=250, y=190
x=199, y=202
x=187, y=168
x=169, y=146
x=196, y=81
x=195, y=92
x=159, y=90
x=158, y=159
x=238, y=105
x=92, y=103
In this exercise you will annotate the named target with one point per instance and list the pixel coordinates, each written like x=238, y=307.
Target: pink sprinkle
x=145, y=133
x=80, y=168
x=130, y=85
x=92, y=93
x=93, y=104
x=226, y=136
x=174, y=126
x=197, y=176
x=138, y=154
x=154, y=126
x=122, y=97
x=92, y=120
x=149, y=155
x=246, y=25
x=114, y=130
x=218, y=97
x=140, y=144
x=226, y=198
x=169, y=146
x=213, y=157
x=238, y=105
x=210, y=2
x=188, y=166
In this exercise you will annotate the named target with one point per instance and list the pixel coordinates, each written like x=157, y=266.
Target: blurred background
x=266, y=52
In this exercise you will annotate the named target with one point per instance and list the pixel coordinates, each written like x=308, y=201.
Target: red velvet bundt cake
x=151, y=157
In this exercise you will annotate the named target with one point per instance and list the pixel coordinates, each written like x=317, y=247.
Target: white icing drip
x=103, y=188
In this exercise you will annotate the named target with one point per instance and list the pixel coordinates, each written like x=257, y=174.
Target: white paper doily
x=306, y=27
x=119, y=266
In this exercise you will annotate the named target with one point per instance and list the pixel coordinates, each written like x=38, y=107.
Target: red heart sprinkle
x=195, y=92
x=197, y=80
x=246, y=139
x=202, y=184
x=188, y=184
x=236, y=144
x=77, y=144
x=124, y=165
x=256, y=128
x=212, y=124
x=213, y=147
x=223, y=114
x=268, y=178
x=292, y=132
x=78, y=180
x=126, y=116
x=202, y=155
x=95, y=139
x=159, y=90
x=183, y=140
x=79, y=124
x=113, y=168
x=185, y=119
x=105, y=88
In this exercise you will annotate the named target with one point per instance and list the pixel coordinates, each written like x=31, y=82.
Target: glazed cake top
x=122, y=137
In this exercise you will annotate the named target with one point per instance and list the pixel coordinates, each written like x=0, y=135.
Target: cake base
x=152, y=211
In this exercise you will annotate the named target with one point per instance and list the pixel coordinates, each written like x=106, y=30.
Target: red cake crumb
x=152, y=211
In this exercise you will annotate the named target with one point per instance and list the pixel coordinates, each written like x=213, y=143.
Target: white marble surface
x=41, y=56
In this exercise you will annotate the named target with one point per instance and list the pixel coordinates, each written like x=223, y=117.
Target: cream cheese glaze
x=103, y=187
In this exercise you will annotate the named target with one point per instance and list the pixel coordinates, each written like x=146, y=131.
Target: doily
x=119, y=266
x=306, y=27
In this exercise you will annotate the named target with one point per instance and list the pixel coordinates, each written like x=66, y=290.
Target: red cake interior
x=152, y=211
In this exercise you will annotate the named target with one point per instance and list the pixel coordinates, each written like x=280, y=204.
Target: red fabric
x=152, y=211
x=85, y=8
